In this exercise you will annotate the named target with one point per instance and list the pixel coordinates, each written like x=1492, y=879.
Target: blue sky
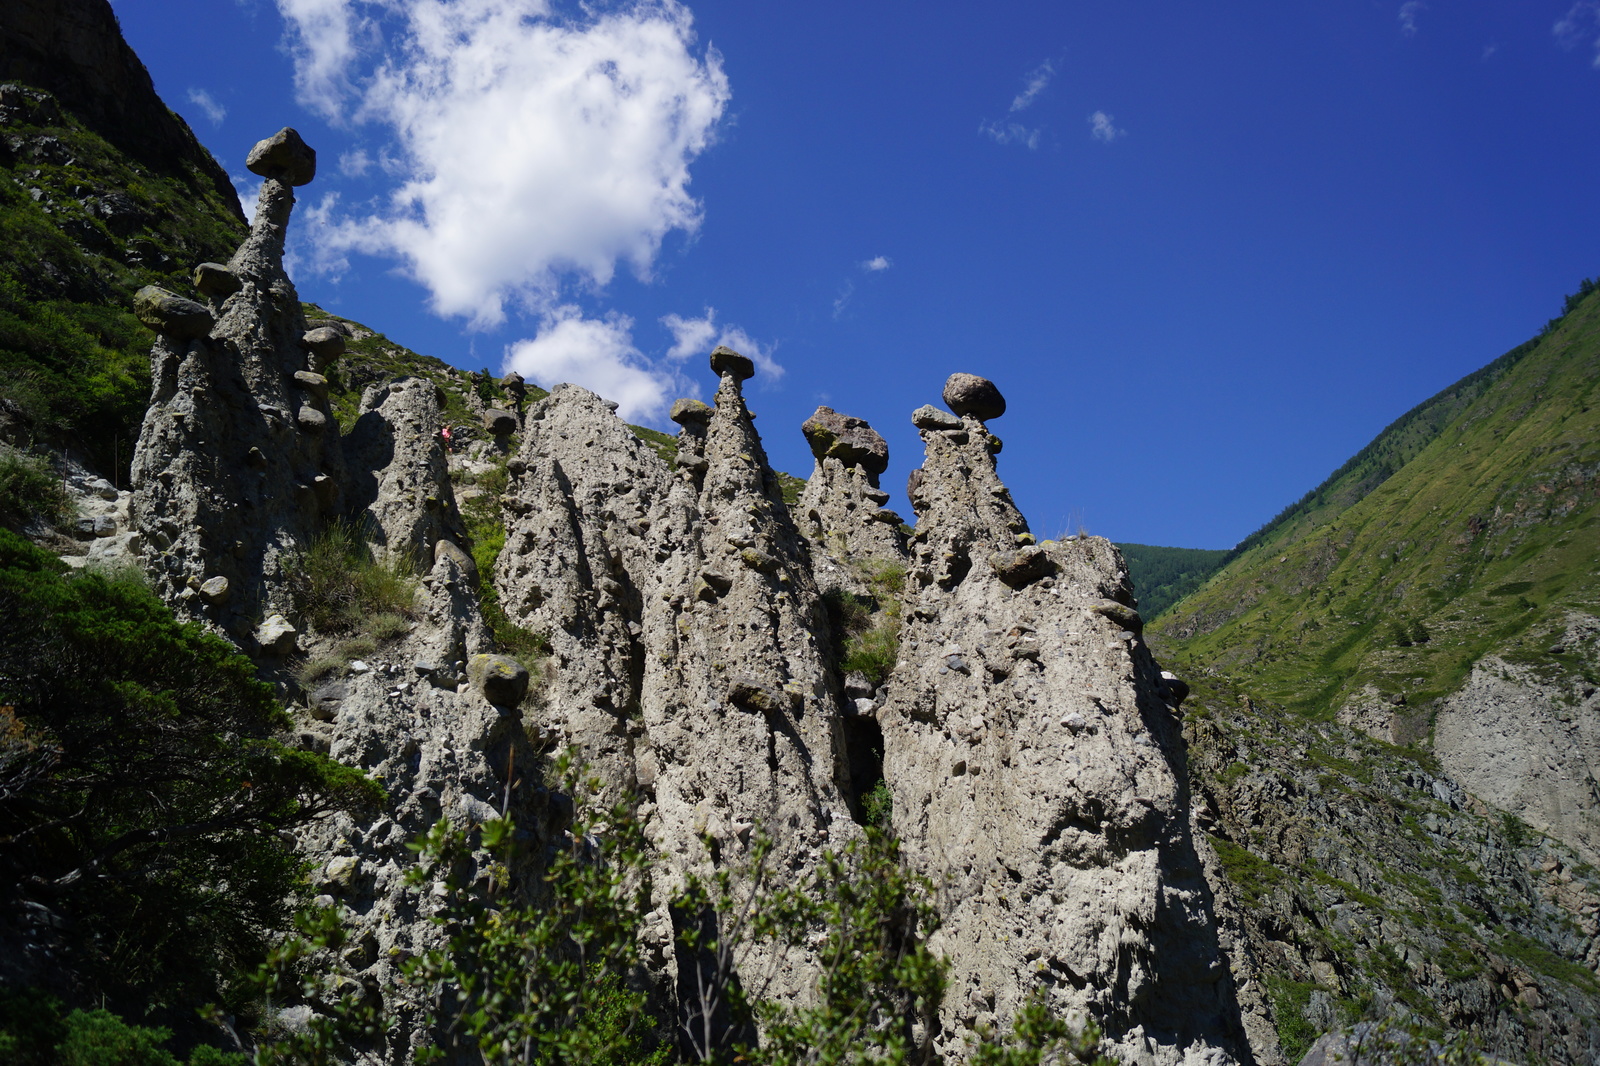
x=1206, y=251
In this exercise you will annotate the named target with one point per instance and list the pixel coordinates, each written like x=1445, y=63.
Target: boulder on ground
x=283, y=156
x=171, y=314
x=500, y=422
x=276, y=636
x=968, y=394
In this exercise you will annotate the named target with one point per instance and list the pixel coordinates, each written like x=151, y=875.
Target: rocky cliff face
x=74, y=49
x=1029, y=741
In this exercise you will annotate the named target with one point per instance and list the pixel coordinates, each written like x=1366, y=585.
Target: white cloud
x=1574, y=28
x=206, y=102
x=1103, y=128
x=877, y=264
x=1489, y=50
x=354, y=164
x=1408, y=16
x=323, y=39
x=599, y=354
x=840, y=302
x=1010, y=133
x=1036, y=85
x=697, y=336
x=536, y=147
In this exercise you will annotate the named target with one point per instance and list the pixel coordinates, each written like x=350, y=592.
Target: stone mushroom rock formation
x=234, y=471
x=841, y=510
x=284, y=157
x=850, y=440
x=968, y=394
x=685, y=655
x=1037, y=773
x=726, y=361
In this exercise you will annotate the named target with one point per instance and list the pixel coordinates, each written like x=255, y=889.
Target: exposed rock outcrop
x=1038, y=775
x=841, y=511
x=236, y=466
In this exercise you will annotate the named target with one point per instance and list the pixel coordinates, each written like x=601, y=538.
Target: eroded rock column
x=1036, y=770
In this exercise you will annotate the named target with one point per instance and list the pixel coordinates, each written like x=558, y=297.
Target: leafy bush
x=338, y=587
x=878, y=805
x=29, y=489
x=136, y=762
x=33, y=1032
x=868, y=628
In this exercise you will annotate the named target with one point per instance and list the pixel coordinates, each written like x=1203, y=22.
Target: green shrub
x=139, y=761
x=338, y=587
x=30, y=489
x=877, y=806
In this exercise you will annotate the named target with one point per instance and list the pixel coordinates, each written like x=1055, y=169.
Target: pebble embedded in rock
x=171, y=314
x=968, y=394
x=502, y=680
x=216, y=281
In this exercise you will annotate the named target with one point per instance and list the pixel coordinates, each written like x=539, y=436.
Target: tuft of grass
x=318, y=669
x=338, y=587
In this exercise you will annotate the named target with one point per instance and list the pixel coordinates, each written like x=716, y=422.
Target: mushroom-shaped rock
x=284, y=156
x=215, y=591
x=968, y=394
x=725, y=360
x=171, y=314
x=311, y=420
x=930, y=417
x=500, y=422
x=503, y=680
x=216, y=281
x=325, y=343
x=687, y=412
x=845, y=438
x=1173, y=687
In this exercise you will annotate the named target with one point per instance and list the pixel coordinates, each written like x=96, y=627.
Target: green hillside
x=1469, y=525
x=1163, y=576
x=82, y=226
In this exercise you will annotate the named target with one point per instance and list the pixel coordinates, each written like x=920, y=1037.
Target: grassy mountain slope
x=82, y=227
x=1163, y=576
x=1470, y=525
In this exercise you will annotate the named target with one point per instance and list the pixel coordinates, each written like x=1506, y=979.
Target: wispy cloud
x=877, y=264
x=1575, y=27
x=1010, y=133
x=536, y=148
x=1489, y=51
x=1037, y=81
x=354, y=164
x=1408, y=16
x=1103, y=128
x=847, y=290
x=697, y=336
x=206, y=102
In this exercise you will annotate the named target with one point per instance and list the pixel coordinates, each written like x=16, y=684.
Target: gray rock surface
x=1527, y=740
x=1038, y=775
x=226, y=470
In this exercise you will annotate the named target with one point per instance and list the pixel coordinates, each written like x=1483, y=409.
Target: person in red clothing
x=449, y=441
